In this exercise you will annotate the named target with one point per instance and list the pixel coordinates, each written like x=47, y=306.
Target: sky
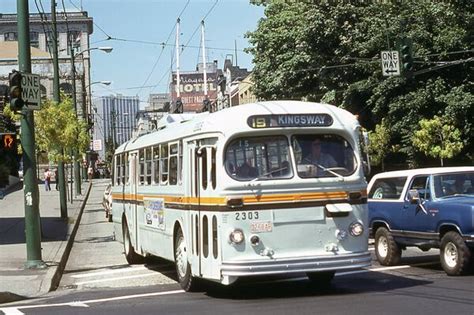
x=130, y=65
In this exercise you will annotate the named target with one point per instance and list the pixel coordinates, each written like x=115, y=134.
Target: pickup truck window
x=421, y=184
x=387, y=188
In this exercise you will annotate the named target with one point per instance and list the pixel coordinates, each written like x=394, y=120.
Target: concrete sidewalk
x=16, y=282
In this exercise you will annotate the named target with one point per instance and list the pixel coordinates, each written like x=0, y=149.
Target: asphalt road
x=98, y=280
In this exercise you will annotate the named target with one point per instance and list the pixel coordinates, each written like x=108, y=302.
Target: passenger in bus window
x=318, y=158
x=247, y=171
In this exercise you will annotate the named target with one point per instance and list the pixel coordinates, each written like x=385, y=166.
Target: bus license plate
x=259, y=227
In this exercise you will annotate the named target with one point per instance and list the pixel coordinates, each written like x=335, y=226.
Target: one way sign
x=390, y=63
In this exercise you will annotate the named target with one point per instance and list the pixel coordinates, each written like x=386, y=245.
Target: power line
x=95, y=24
x=43, y=23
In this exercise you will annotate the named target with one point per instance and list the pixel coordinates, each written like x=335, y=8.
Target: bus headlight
x=356, y=229
x=236, y=236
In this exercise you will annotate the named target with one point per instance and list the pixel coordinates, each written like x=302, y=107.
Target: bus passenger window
x=204, y=169
x=164, y=163
x=156, y=165
x=148, y=165
x=142, y=167
x=213, y=168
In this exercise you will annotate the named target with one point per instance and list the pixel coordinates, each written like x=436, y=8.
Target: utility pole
x=77, y=170
x=30, y=182
x=62, y=182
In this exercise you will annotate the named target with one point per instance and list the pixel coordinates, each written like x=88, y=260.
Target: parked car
x=107, y=202
x=427, y=208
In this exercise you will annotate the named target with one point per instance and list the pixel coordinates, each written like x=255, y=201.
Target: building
x=192, y=86
x=78, y=29
x=230, y=84
x=114, y=120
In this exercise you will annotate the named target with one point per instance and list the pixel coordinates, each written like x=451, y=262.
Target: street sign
x=97, y=145
x=390, y=63
x=31, y=94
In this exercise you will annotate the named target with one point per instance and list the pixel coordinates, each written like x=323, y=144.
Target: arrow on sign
x=390, y=71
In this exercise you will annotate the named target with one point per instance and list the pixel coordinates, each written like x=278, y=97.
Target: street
x=97, y=280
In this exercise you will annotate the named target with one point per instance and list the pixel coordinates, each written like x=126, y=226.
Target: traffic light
x=16, y=101
x=8, y=141
x=406, y=53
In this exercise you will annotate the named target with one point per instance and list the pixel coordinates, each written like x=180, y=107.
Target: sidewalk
x=16, y=282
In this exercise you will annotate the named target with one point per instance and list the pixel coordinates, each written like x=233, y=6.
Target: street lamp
x=77, y=173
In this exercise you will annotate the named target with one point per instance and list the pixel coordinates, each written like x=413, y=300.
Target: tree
x=331, y=51
x=379, y=144
x=58, y=131
x=438, y=139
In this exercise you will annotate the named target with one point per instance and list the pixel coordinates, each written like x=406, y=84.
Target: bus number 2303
x=251, y=215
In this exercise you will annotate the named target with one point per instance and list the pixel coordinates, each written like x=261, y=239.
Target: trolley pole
x=61, y=174
x=32, y=215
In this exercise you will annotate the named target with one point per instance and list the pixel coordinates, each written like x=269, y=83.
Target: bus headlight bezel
x=236, y=236
x=356, y=228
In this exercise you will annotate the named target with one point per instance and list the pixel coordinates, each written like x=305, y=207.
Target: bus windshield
x=259, y=157
x=325, y=155
x=262, y=158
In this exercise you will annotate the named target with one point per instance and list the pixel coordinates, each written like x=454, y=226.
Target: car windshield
x=454, y=184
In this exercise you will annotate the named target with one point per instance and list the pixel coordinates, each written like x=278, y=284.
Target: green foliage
x=330, y=51
x=379, y=141
x=58, y=131
x=438, y=139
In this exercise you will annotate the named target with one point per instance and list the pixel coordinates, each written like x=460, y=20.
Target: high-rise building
x=114, y=120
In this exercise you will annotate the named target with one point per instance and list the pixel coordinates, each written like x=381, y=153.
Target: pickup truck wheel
x=388, y=252
x=455, y=255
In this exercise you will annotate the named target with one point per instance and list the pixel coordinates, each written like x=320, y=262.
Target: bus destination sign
x=290, y=120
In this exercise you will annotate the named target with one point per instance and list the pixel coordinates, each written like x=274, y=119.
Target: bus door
x=205, y=185
x=133, y=196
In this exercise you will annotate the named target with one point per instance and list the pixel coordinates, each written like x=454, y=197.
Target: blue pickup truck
x=426, y=208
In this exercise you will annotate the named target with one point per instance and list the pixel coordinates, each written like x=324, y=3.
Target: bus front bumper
x=293, y=265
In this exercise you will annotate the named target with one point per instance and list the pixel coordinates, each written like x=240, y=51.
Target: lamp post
x=77, y=172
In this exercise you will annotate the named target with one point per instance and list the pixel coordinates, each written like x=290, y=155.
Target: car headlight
x=356, y=229
x=236, y=236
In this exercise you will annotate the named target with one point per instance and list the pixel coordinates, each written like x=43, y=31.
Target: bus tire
x=388, y=252
x=321, y=279
x=183, y=269
x=455, y=255
x=130, y=254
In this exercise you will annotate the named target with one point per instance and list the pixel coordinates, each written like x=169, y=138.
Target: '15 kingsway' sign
x=290, y=120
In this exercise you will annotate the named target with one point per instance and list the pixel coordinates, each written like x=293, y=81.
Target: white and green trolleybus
x=233, y=193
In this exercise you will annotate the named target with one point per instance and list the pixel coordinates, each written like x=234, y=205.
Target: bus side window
x=204, y=169
x=213, y=168
x=156, y=165
x=173, y=160
x=148, y=165
x=164, y=163
x=141, y=161
x=126, y=170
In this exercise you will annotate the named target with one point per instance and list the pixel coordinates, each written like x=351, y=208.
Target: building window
x=49, y=41
x=11, y=36
x=75, y=40
x=34, y=39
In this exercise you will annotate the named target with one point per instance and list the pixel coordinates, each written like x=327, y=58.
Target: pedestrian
x=56, y=178
x=47, y=179
x=90, y=172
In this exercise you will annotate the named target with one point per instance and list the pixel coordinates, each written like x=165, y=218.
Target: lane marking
x=11, y=311
x=118, y=278
x=118, y=298
x=109, y=272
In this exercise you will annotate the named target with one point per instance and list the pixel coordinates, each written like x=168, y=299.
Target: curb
x=56, y=272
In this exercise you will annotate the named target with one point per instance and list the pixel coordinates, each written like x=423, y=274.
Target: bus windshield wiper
x=330, y=170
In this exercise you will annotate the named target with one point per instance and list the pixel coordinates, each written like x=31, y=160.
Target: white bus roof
x=234, y=119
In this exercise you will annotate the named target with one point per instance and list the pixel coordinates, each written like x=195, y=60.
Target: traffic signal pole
x=56, y=99
x=30, y=181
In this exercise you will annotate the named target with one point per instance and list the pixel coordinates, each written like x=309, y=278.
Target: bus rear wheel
x=130, y=254
x=187, y=282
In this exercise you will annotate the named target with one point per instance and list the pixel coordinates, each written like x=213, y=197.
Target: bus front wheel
x=187, y=282
x=130, y=254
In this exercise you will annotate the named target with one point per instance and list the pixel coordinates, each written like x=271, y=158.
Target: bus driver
x=318, y=159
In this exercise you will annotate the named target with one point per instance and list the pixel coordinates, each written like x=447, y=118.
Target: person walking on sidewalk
x=47, y=179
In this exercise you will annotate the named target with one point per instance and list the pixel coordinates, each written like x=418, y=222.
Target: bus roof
x=234, y=119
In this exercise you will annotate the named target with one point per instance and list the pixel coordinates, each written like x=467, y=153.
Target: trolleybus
x=246, y=191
